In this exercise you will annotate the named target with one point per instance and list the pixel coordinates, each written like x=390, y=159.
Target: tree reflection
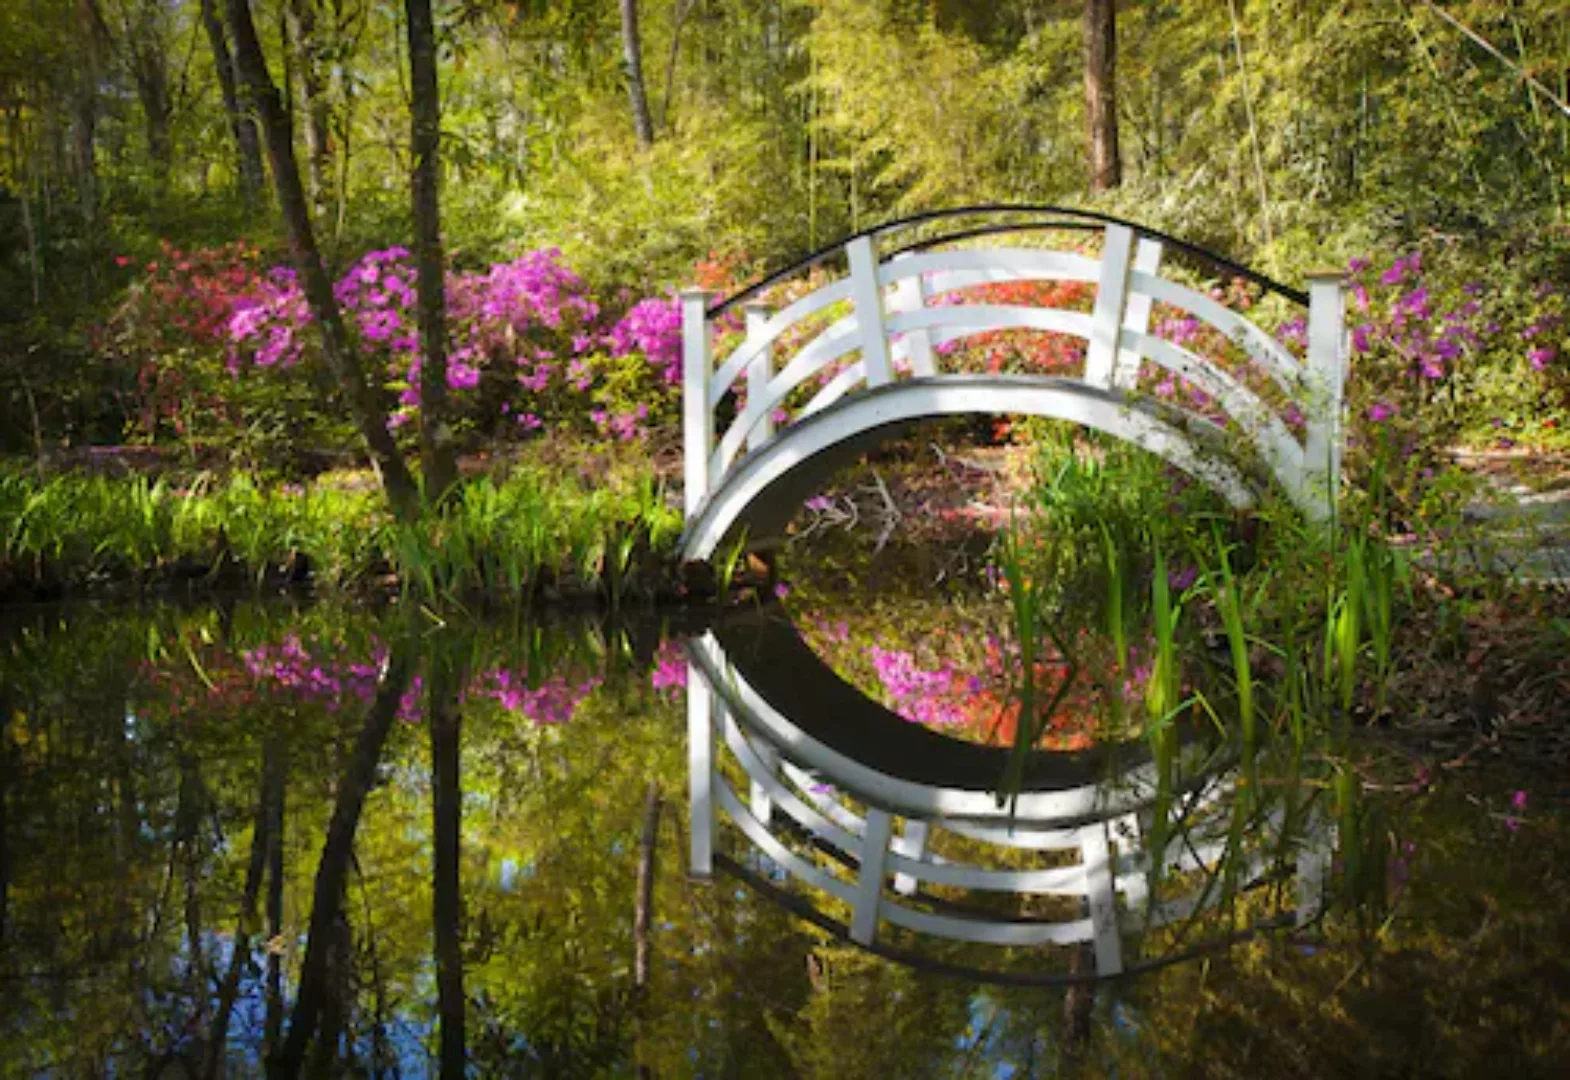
x=212, y=863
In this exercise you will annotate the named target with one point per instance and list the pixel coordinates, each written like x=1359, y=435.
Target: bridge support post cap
x=762, y=307
x=1331, y=274
x=695, y=292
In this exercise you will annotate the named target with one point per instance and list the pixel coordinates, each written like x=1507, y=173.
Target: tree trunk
x=338, y=848
x=242, y=126
x=1078, y=1005
x=5, y=850
x=366, y=401
x=261, y=842
x=273, y=1018
x=446, y=813
x=643, y=912
x=436, y=436
x=313, y=99
x=145, y=44
x=632, y=56
x=1101, y=114
x=643, y=918
x=84, y=123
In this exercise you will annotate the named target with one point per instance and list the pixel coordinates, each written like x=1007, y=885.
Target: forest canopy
x=653, y=144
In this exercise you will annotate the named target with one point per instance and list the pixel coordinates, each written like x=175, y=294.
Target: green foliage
x=505, y=538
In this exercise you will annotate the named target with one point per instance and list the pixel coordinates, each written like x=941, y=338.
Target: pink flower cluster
x=523, y=333
x=916, y=693
x=669, y=676
x=652, y=327
x=554, y=701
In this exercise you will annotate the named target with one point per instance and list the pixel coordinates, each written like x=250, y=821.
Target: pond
x=355, y=841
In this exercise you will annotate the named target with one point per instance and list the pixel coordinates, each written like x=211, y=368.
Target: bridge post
x=1313, y=862
x=700, y=773
x=869, y=881
x=1136, y=313
x=759, y=372
x=1101, y=897
x=1106, y=321
x=697, y=412
x=910, y=294
x=913, y=845
x=1327, y=383
x=867, y=296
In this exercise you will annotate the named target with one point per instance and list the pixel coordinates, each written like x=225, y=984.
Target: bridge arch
x=882, y=311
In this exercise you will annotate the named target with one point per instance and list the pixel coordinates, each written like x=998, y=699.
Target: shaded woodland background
x=644, y=138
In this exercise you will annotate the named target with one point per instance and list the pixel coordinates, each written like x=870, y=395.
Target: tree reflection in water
x=331, y=842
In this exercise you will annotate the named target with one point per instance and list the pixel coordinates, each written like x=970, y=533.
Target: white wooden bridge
x=880, y=312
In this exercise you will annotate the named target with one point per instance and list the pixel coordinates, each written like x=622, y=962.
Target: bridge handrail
x=1080, y=220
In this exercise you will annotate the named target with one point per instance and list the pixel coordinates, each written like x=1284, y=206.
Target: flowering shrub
x=220, y=337
x=1426, y=353
x=1026, y=352
x=174, y=328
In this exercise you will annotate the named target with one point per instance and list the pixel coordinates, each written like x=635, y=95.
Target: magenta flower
x=461, y=376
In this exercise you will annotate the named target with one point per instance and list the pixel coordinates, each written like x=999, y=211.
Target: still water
x=339, y=841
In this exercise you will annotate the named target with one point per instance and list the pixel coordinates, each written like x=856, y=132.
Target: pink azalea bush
x=529, y=347
x=1431, y=355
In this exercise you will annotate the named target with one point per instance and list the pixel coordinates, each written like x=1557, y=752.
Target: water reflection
x=1101, y=865
x=357, y=843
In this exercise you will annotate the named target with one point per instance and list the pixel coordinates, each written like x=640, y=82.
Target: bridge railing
x=883, y=312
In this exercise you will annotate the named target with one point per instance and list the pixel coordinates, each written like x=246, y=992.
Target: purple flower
x=1540, y=358
x=1379, y=412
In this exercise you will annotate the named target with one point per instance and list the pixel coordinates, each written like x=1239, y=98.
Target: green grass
x=510, y=538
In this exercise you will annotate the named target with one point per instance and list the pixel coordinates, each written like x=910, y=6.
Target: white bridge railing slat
x=983, y=318
x=1053, y=881
x=911, y=846
x=700, y=773
x=834, y=342
x=1281, y=365
x=1022, y=934
x=845, y=380
x=782, y=798
x=781, y=321
x=910, y=294
x=1008, y=264
x=1265, y=429
x=783, y=856
x=869, y=876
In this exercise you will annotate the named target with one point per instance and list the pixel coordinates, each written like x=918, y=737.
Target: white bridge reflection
x=891, y=835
